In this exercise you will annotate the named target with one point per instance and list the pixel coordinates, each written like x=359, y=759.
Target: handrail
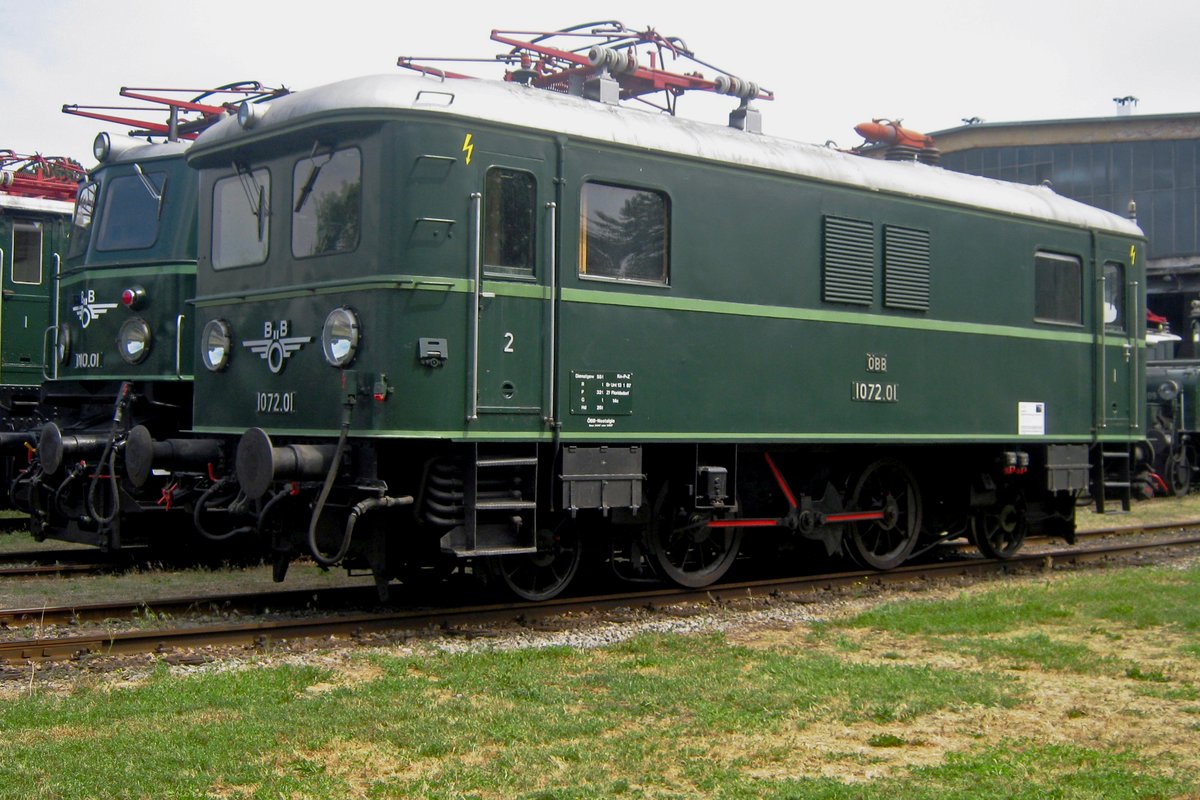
x=477, y=295
x=552, y=244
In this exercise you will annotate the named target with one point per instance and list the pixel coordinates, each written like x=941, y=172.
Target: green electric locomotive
x=120, y=351
x=491, y=325
x=35, y=213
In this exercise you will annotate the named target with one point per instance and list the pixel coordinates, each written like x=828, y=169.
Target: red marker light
x=133, y=298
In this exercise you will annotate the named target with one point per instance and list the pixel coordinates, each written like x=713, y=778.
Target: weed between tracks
x=1080, y=686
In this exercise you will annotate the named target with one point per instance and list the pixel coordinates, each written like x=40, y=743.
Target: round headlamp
x=216, y=344
x=133, y=340
x=102, y=147
x=248, y=115
x=62, y=343
x=339, y=337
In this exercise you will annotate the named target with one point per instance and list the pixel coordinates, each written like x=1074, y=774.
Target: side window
x=1058, y=287
x=1114, y=296
x=510, y=221
x=241, y=219
x=27, y=252
x=624, y=234
x=81, y=220
x=129, y=217
x=326, y=203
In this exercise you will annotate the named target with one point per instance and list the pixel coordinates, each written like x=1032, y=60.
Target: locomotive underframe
x=408, y=509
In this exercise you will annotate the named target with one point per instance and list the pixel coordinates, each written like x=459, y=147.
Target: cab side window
x=1114, y=296
x=624, y=234
x=1058, y=289
x=27, y=252
x=510, y=222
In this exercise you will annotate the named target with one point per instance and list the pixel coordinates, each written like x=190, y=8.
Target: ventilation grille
x=849, y=261
x=906, y=268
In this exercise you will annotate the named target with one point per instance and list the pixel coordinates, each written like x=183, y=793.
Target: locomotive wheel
x=544, y=574
x=999, y=533
x=1179, y=473
x=682, y=546
x=889, y=486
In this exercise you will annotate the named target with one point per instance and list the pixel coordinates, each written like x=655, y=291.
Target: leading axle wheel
x=886, y=486
x=546, y=573
x=683, y=547
x=1000, y=532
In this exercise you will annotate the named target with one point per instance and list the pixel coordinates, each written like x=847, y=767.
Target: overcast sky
x=831, y=65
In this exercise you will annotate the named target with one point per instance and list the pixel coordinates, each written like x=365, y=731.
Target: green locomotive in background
x=480, y=324
x=35, y=214
x=120, y=351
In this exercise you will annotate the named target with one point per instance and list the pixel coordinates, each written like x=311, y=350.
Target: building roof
x=1090, y=130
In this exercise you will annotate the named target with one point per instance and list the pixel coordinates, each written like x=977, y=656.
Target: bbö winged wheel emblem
x=276, y=347
x=87, y=309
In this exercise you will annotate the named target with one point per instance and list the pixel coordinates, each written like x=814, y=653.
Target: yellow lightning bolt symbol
x=1132, y=252
x=468, y=148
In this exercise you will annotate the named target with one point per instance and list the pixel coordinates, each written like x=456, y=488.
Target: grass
x=1160, y=510
x=809, y=715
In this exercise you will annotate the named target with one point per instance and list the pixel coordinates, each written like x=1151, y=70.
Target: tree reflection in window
x=623, y=234
x=326, y=203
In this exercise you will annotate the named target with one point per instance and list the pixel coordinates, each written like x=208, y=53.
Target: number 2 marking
x=508, y=342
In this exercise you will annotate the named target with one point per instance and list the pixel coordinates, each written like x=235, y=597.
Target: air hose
x=109, y=460
x=361, y=508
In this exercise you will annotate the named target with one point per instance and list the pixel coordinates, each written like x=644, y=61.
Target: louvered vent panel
x=849, y=261
x=905, y=268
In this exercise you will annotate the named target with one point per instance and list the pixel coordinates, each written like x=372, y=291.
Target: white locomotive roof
x=553, y=112
x=39, y=205
x=128, y=149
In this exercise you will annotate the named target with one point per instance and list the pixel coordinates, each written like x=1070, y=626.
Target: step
x=511, y=461
x=505, y=505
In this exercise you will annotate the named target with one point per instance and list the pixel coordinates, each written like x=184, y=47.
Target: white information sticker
x=1031, y=419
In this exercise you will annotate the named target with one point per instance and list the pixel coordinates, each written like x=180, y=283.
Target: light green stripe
x=629, y=300
x=818, y=315
x=120, y=376
x=153, y=271
x=682, y=436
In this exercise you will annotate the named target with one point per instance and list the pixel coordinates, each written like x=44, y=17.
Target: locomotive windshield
x=131, y=211
x=81, y=222
x=326, y=203
x=241, y=219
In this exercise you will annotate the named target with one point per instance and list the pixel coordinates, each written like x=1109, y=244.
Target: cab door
x=513, y=284
x=24, y=306
x=1120, y=329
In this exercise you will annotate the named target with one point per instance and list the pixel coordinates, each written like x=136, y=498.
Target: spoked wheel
x=544, y=574
x=887, y=486
x=1179, y=473
x=1000, y=532
x=684, y=549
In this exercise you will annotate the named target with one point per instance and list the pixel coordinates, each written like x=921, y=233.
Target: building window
x=848, y=261
x=1058, y=288
x=326, y=203
x=1114, y=296
x=27, y=252
x=624, y=234
x=510, y=221
x=241, y=219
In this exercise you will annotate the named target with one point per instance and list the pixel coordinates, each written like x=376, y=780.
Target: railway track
x=416, y=621
x=34, y=563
